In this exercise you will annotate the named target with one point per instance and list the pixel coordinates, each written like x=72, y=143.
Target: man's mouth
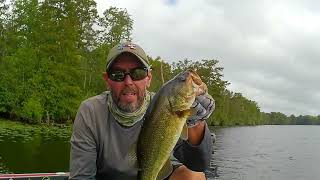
x=129, y=97
x=129, y=94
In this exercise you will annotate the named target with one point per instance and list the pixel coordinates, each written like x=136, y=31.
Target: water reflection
x=260, y=152
x=33, y=150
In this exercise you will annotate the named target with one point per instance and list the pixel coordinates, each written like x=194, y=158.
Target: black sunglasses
x=136, y=74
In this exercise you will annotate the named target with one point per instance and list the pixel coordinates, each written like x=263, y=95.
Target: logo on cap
x=131, y=46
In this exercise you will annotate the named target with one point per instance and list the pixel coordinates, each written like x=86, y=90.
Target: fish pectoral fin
x=132, y=156
x=165, y=170
x=184, y=132
x=184, y=113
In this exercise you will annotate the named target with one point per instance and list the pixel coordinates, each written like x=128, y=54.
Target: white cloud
x=269, y=49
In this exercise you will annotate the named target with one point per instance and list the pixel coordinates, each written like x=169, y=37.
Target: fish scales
x=164, y=122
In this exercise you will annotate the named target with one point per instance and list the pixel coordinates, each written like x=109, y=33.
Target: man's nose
x=127, y=80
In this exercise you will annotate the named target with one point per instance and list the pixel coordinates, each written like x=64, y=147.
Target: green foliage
x=52, y=58
x=117, y=26
x=27, y=132
x=278, y=118
x=157, y=75
x=32, y=110
x=3, y=21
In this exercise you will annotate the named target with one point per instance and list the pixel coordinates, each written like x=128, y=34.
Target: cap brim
x=117, y=55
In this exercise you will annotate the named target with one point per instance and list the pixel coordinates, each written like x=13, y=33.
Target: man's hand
x=204, y=105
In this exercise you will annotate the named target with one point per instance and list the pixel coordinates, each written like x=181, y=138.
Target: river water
x=257, y=153
x=268, y=152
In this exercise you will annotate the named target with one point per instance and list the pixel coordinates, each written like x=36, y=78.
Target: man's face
x=128, y=94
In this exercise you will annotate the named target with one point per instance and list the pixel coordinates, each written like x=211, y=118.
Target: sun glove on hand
x=204, y=105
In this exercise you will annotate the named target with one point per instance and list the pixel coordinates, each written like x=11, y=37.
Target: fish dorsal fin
x=165, y=170
x=184, y=132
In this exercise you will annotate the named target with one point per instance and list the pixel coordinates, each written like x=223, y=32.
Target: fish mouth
x=195, y=77
x=190, y=86
x=199, y=87
x=193, y=80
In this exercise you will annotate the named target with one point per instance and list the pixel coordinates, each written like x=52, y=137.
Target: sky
x=269, y=49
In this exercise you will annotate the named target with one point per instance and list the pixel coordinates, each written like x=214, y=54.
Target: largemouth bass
x=164, y=122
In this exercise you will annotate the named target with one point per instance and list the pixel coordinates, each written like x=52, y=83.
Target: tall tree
x=3, y=22
x=114, y=27
x=157, y=64
x=117, y=26
x=55, y=57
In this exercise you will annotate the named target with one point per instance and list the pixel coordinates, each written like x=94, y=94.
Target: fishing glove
x=204, y=105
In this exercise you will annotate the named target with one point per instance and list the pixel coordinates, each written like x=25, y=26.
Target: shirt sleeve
x=196, y=158
x=83, y=152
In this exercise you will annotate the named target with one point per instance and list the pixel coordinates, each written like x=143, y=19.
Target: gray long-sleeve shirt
x=99, y=145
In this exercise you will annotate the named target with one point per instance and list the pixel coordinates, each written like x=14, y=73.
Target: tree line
x=53, y=53
x=277, y=118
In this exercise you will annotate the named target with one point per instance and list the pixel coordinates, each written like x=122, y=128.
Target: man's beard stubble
x=129, y=107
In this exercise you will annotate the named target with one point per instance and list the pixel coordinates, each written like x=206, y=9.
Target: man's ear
x=106, y=79
x=149, y=78
x=105, y=76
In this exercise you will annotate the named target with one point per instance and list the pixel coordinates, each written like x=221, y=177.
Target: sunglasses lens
x=116, y=75
x=135, y=74
x=138, y=73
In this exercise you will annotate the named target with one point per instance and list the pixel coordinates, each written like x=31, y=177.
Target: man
x=107, y=125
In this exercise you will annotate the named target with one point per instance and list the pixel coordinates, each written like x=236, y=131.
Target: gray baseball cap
x=130, y=48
